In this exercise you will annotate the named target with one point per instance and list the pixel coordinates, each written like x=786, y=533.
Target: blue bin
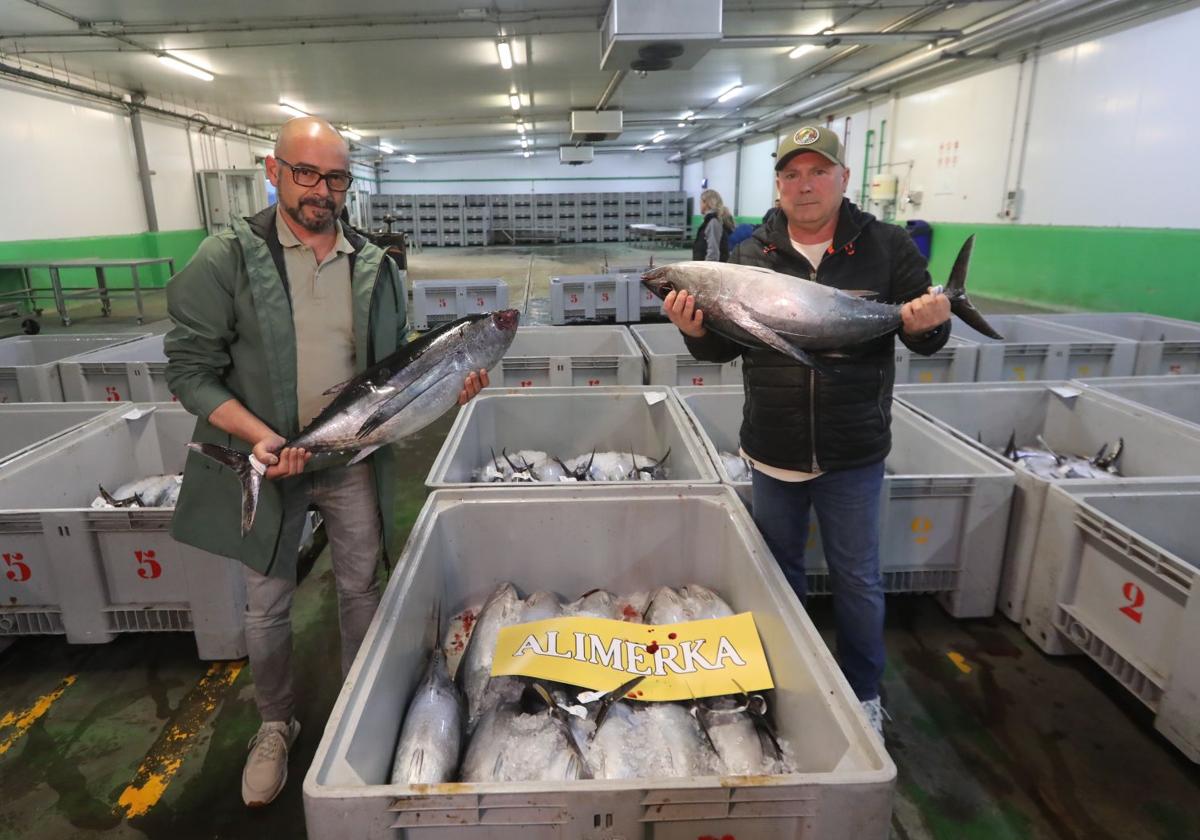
x=922, y=234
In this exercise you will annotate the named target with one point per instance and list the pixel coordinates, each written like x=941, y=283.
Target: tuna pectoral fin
x=777, y=342
x=362, y=453
x=248, y=477
x=956, y=290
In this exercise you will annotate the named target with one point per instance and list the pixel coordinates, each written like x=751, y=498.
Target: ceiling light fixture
x=350, y=134
x=504, y=51
x=292, y=109
x=387, y=149
x=687, y=115
x=641, y=148
x=729, y=94
x=520, y=128
x=182, y=66
x=659, y=133
x=681, y=125
x=515, y=101
x=411, y=158
x=659, y=138
x=803, y=49
x=526, y=154
x=524, y=143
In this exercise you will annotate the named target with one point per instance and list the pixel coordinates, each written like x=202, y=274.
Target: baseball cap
x=810, y=138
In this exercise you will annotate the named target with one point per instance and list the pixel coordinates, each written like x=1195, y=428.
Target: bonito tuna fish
x=758, y=307
x=432, y=737
x=400, y=395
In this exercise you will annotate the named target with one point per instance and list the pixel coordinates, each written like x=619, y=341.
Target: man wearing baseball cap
x=818, y=441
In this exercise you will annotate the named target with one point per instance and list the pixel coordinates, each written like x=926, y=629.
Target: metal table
x=654, y=233
x=29, y=295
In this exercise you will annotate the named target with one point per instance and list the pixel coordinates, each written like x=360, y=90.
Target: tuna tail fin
x=248, y=477
x=956, y=290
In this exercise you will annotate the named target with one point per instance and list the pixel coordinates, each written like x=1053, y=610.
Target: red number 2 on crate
x=148, y=567
x=17, y=572
x=1136, y=598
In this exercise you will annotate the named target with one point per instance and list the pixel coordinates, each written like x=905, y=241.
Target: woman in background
x=712, y=239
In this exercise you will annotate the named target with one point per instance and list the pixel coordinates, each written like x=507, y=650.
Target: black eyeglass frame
x=321, y=176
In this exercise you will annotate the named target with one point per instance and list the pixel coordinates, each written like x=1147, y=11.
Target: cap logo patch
x=806, y=136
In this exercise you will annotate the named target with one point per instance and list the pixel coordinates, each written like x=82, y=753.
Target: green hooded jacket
x=233, y=337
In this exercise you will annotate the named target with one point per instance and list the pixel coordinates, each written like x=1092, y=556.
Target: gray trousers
x=346, y=498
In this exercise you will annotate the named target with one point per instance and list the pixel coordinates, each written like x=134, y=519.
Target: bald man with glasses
x=268, y=317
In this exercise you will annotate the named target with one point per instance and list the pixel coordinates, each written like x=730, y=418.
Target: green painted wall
x=1090, y=268
x=750, y=220
x=179, y=244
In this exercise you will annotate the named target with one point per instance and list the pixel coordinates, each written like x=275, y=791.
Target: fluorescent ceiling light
x=659, y=138
x=504, y=51
x=687, y=115
x=524, y=143
x=350, y=134
x=526, y=154
x=729, y=94
x=387, y=149
x=182, y=66
x=411, y=158
x=515, y=101
x=292, y=109
x=641, y=148
x=803, y=49
x=681, y=125
x=659, y=133
x=521, y=128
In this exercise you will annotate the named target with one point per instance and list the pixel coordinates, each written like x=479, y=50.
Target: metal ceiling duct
x=1006, y=26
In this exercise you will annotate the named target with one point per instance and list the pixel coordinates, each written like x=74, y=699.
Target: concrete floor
x=137, y=739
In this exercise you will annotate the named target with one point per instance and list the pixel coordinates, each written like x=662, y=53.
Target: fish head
x=660, y=281
x=506, y=320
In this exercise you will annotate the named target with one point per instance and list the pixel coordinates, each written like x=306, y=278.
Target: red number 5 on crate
x=148, y=567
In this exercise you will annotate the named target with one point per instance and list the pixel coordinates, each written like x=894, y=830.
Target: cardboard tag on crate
x=707, y=658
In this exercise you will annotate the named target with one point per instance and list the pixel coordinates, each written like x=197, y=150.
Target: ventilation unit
x=658, y=35
x=575, y=155
x=594, y=126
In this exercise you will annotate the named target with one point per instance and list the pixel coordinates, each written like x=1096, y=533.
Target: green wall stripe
x=179, y=244
x=740, y=220
x=1091, y=268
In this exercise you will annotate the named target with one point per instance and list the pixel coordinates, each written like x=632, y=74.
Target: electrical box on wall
x=1012, y=204
x=883, y=187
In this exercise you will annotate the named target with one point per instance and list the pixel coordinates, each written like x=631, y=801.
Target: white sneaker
x=266, y=767
x=875, y=713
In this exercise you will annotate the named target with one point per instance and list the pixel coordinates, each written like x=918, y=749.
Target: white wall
x=757, y=189
x=541, y=173
x=721, y=172
x=693, y=172
x=71, y=170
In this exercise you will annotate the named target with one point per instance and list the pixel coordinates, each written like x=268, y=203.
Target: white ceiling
x=424, y=76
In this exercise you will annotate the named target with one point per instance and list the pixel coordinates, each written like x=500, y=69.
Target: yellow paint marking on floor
x=19, y=722
x=166, y=756
x=959, y=661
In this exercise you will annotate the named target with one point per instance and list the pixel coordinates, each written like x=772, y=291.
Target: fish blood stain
x=652, y=647
x=671, y=635
x=629, y=612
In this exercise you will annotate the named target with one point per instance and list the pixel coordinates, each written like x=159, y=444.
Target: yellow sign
x=706, y=658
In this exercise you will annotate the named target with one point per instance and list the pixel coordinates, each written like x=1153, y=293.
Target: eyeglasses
x=306, y=176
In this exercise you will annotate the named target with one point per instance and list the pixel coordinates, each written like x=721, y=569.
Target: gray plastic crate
x=437, y=302
x=1035, y=350
x=1122, y=568
x=589, y=297
x=568, y=422
x=1175, y=396
x=668, y=361
x=944, y=512
x=134, y=371
x=956, y=362
x=1070, y=419
x=29, y=363
x=1166, y=346
x=24, y=426
x=561, y=356
x=462, y=545
x=92, y=574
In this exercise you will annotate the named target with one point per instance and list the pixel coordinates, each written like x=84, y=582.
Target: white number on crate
x=1136, y=598
x=17, y=572
x=148, y=567
x=112, y=394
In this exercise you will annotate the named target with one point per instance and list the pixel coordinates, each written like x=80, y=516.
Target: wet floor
x=992, y=739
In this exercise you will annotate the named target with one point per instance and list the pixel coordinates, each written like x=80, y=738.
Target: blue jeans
x=847, y=505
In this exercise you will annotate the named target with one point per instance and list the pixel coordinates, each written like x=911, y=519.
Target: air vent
x=594, y=126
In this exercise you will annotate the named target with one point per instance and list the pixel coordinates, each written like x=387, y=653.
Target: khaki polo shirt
x=323, y=315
